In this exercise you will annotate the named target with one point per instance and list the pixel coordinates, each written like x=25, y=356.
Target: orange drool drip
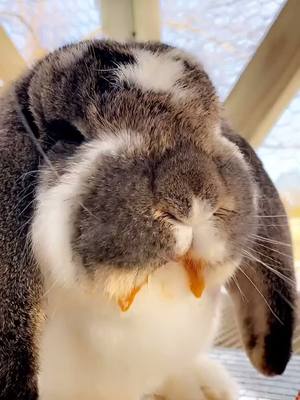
x=126, y=301
x=194, y=269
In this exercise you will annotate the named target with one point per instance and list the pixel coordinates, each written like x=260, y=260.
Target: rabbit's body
x=115, y=162
x=93, y=350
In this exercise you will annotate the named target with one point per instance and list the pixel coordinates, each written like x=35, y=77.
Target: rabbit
x=116, y=162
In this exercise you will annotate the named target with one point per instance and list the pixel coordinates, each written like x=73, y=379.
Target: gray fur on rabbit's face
x=152, y=170
x=136, y=168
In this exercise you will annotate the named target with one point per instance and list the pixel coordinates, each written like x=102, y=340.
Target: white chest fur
x=91, y=350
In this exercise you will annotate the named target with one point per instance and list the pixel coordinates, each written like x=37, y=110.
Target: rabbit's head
x=137, y=169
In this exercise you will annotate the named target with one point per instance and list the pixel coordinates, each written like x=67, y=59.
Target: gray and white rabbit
x=115, y=162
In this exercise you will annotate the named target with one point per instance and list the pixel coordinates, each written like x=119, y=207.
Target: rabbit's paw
x=216, y=383
x=207, y=380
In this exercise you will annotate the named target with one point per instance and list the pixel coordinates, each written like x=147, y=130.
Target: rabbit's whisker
x=235, y=281
x=20, y=229
x=26, y=207
x=251, y=257
x=276, y=262
x=273, y=249
x=28, y=173
x=261, y=294
x=270, y=216
x=265, y=239
x=286, y=300
x=269, y=225
x=24, y=197
x=50, y=288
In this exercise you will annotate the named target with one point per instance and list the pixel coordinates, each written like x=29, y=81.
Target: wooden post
x=147, y=21
x=270, y=80
x=131, y=19
x=11, y=62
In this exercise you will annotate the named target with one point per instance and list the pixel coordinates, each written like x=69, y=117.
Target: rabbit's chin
x=117, y=284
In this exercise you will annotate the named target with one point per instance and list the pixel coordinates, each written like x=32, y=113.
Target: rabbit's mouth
x=197, y=276
x=204, y=274
x=124, y=286
x=194, y=267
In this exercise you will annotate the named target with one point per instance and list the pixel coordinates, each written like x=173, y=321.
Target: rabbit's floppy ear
x=264, y=291
x=20, y=283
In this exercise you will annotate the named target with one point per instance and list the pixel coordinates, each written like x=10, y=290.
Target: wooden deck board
x=254, y=386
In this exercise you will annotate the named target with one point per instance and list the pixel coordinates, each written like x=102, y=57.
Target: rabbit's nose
x=183, y=238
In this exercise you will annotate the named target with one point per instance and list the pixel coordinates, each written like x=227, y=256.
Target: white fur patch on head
x=152, y=71
x=52, y=223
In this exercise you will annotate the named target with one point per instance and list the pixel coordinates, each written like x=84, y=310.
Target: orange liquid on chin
x=194, y=269
x=125, y=302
